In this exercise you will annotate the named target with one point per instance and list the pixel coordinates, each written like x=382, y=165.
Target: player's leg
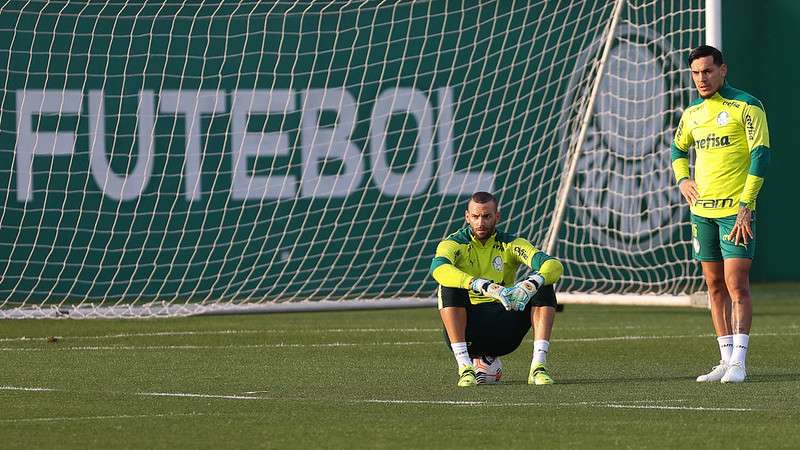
x=718, y=296
x=453, y=305
x=542, y=315
x=706, y=246
x=737, y=280
x=738, y=259
x=490, y=334
x=737, y=271
x=493, y=332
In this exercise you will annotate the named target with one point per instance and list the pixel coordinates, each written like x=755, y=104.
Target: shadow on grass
x=609, y=380
x=757, y=378
x=772, y=377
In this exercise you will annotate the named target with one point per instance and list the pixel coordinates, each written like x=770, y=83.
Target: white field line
x=562, y=404
x=229, y=332
x=115, y=417
x=299, y=331
x=216, y=347
x=678, y=408
x=345, y=344
x=188, y=395
x=628, y=404
x=27, y=389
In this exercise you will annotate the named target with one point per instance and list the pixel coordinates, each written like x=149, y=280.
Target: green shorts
x=710, y=239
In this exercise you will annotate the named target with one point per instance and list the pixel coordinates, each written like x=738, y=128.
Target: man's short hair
x=706, y=50
x=484, y=197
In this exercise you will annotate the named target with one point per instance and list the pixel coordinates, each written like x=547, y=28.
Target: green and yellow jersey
x=731, y=141
x=460, y=258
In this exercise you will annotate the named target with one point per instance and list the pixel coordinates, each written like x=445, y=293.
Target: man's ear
x=723, y=69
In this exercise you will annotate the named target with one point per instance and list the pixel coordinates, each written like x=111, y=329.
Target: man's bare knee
x=740, y=293
x=738, y=288
x=717, y=289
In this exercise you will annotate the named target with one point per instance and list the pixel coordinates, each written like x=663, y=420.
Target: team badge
x=696, y=245
x=723, y=118
x=497, y=263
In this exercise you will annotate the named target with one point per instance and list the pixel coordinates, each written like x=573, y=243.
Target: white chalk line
x=58, y=346
x=93, y=418
x=284, y=331
x=598, y=404
x=628, y=404
x=228, y=332
x=214, y=347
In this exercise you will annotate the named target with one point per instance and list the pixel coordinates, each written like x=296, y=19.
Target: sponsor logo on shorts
x=497, y=263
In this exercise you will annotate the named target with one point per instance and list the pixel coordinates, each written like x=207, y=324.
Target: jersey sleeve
x=680, y=151
x=525, y=253
x=443, y=267
x=755, y=127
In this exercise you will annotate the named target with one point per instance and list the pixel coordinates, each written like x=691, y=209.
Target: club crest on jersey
x=723, y=118
x=497, y=263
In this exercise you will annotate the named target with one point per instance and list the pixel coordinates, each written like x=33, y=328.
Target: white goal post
x=174, y=158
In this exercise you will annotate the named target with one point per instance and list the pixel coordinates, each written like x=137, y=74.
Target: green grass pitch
x=384, y=379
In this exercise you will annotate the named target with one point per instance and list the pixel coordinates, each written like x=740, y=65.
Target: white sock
x=740, y=343
x=461, y=353
x=540, y=349
x=725, y=347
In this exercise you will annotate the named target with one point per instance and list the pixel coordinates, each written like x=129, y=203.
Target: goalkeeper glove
x=493, y=290
x=528, y=288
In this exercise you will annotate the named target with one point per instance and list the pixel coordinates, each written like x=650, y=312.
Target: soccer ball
x=488, y=370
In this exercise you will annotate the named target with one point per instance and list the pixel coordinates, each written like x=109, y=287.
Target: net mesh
x=175, y=157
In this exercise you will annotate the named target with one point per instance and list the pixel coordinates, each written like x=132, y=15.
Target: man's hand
x=742, y=231
x=493, y=290
x=688, y=189
x=527, y=288
x=518, y=297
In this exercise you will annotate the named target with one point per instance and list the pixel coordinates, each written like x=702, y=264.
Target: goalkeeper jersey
x=460, y=258
x=731, y=142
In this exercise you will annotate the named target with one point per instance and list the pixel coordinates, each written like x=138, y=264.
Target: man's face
x=482, y=218
x=707, y=76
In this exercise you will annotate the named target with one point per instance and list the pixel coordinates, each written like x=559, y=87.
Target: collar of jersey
x=718, y=95
x=489, y=242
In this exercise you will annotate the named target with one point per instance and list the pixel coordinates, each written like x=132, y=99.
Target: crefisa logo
x=624, y=196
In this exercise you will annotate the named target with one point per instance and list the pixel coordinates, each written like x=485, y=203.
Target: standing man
x=483, y=319
x=728, y=129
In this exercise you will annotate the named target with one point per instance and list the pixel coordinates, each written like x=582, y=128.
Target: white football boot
x=716, y=374
x=735, y=373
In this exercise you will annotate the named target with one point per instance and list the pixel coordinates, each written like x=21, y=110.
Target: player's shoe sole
x=539, y=376
x=734, y=374
x=466, y=376
x=716, y=374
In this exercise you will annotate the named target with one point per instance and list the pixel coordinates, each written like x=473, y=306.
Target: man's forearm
x=449, y=276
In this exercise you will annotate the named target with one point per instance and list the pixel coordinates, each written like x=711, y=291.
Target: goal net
x=179, y=157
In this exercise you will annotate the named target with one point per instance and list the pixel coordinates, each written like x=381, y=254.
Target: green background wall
x=105, y=249
x=760, y=41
